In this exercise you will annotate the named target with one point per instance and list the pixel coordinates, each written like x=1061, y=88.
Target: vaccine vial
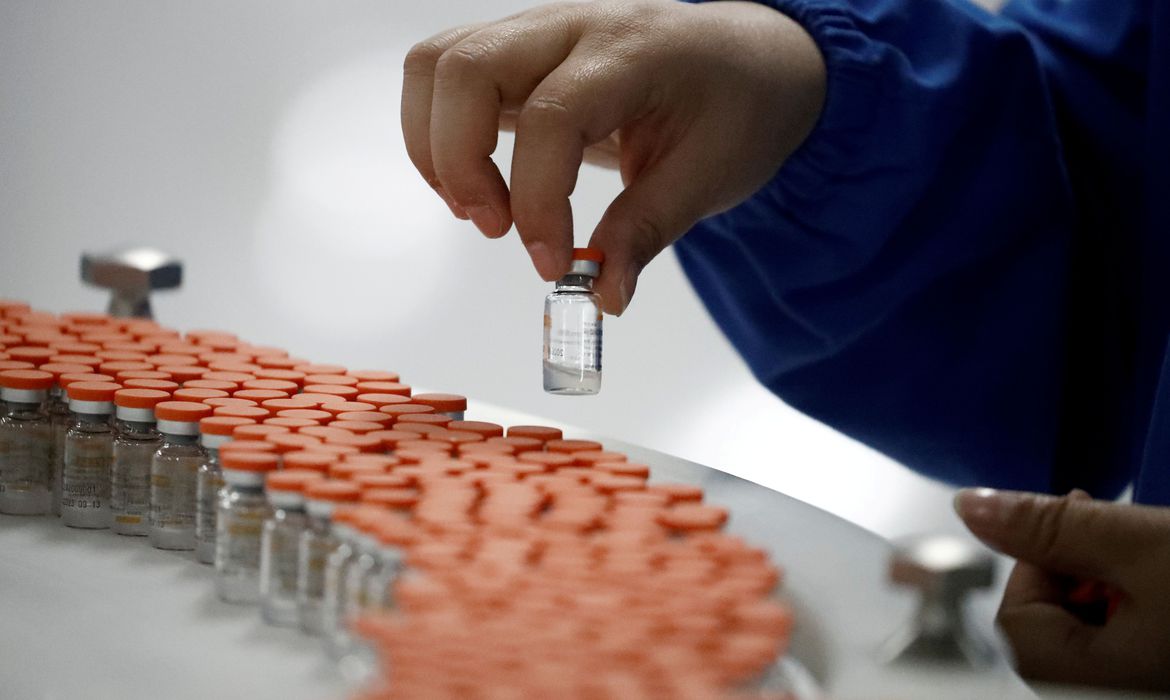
x=240, y=520
x=25, y=443
x=56, y=407
x=279, y=544
x=316, y=544
x=393, y=536
x=89, y=455
x=214, y=431
x=136, y=439
x=173, y=472
x=343, y=575
x=572, y=329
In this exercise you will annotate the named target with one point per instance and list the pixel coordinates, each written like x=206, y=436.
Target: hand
x=698, y=105
x=1061, y=544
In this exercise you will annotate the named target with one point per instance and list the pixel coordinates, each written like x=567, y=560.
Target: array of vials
x=436, y=556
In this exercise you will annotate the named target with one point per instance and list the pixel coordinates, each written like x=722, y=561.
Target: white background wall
x=259, y=141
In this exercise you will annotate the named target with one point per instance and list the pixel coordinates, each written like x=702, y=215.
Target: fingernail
x=486, y=220
x=457, y=210
x=983, y=510
x=542, y=259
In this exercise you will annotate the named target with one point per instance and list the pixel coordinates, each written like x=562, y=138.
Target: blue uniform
x=967, y=263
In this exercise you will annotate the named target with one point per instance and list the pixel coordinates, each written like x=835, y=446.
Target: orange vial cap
x=241, y=460
x=571, y=446
x=256, y=431
x=287, y=375
x=55, y=368
x=92, y=391
x=234, y=445
x=487, y=430
x=293, y=424
x=260, y=395
x=217, y=384
x=26, y=379
x=543, y=433
x=140, y=398
x=29, y=353
x=391, y=438
x=318, y=462
x=281, y=385
x=444, y=403
x=183, y=373
x=367, y=416
x=171, y=359
x=228, y=401
x=425, y=418
x=156, y=384
x=291, y=442
x=679, y=493
x=65, y=380
x=256, y=413
x=182, y=411
x=87, y=360
x=143, y=374
x=373, y=375
x=225, y=376
x=693, y=517
x=310, y=368
x=348, y=393
x=287, y=404
x=306, y=413
x=591, y=254
x=382, y=387
x=324, y=432
x=222, y=425
x=336, y=408
x=186, y=394
x=357, y=427
x=293, y=480
x=336, y=491
x=331, y=379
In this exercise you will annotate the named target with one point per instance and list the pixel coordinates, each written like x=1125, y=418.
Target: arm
x=909, y=274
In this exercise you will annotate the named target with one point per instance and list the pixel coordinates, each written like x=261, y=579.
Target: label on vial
x=87, y=476
x=575, y=346
x=206, y=493
x=24, y=461
x=238, y=544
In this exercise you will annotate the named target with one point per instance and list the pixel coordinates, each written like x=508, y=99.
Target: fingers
x=418, y=82
x=580, y=103
x=660, y=204
x=476, y=79
x=1049, y=643
x=1090, y=539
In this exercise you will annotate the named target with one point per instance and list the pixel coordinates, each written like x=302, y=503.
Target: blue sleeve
x=907, y=275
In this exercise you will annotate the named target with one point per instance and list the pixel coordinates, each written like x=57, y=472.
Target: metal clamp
x=131, y=275
x=945, y=570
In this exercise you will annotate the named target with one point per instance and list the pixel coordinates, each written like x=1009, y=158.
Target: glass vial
x=215, y=431
x=89, y=455
x=172, y=474
x=316, y=544
x=572, y=329
x=25, y=443
x=394, y=535
x=354, y=545
x=57, y=409
x=136, y=439
x=240, y=520
x=280, y=542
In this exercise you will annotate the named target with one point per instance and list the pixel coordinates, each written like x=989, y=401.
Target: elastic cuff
x=836, y=146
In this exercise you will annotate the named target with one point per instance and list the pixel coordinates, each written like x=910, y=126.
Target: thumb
x=1069, y=535
x=656, y=209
